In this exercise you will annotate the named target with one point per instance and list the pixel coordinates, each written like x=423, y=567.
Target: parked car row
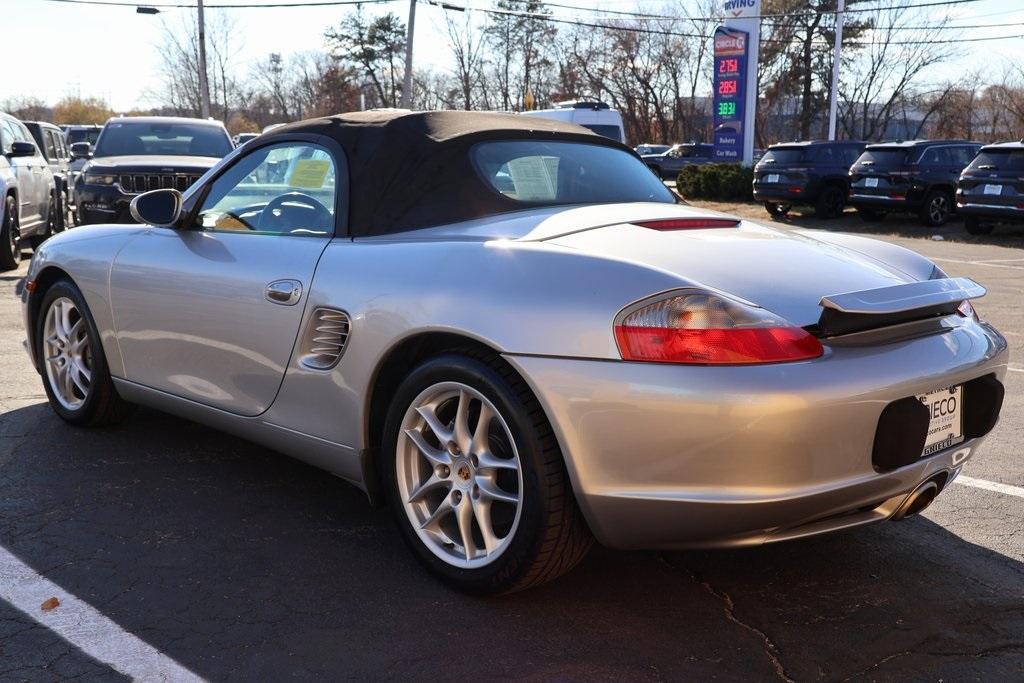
x=52, y=179
x=930, y=178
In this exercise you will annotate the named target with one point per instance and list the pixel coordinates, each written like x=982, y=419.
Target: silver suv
x=28, y=204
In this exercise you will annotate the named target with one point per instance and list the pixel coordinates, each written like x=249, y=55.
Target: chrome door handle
x=284, y=292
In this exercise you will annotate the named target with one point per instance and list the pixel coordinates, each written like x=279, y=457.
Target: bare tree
x=467, y=48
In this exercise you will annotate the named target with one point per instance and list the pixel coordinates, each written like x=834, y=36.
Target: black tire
x=777, y=209
x=67, y=214
x=102, y=405
x=830, y=202
x=10, y=249
x=937, y=207
x=52, y=224
x=974, y=226
x=551, y=536
x=870, y=215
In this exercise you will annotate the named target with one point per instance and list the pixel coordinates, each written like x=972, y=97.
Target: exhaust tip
x=920, y=498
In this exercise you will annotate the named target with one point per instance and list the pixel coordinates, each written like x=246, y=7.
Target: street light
x=204, y=86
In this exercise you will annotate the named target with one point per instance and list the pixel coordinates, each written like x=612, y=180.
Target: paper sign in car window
x=309, y=173
x=532, y=179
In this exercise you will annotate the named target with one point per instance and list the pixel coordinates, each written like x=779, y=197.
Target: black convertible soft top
x=412, y=170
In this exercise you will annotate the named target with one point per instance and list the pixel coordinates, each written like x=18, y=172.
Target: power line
x=170, y=5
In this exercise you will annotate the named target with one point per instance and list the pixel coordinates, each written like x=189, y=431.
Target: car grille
x=325, y=338
x=144, y=182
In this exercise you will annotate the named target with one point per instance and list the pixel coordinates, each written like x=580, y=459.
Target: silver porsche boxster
x=513, y=332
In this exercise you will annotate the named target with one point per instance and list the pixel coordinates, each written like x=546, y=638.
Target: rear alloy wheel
x=67, y=213
x=830, y=202
x=937, y=207
x=777, y=209
x=10, y=252
x=974, y=226
x=52, y=224
x=75, y=374
x=477, y=481
x=870, y=215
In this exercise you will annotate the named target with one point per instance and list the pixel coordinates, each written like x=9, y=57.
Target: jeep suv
x=141, y=153
x=27, y=192
x=812, y=173
x=667, y=165
x=50, y=141
x=918, y=176
x=991, y=190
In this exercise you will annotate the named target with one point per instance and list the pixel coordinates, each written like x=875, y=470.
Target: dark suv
x=51, y=142
x=918, y=176
x=991, y=190
x=813, y=173
x=669, y=164
x=142, y=153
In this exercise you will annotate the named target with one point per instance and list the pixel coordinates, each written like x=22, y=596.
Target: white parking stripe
x=976, y=263
x=1014, y=369
x=83, y=626
x=990, y=486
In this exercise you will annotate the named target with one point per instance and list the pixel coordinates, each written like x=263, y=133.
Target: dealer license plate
x=945, y=411
x=993, y=189
x=772, y=178
x=871, y=182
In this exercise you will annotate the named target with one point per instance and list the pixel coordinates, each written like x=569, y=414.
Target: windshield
x=556, y=173
x=999, y=160
x=163, y=139
x=883, y=156
x=613, y=132
x=83, y=135
x=785, y=155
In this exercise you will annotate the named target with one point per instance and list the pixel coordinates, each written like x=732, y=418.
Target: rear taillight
x=688, y=223
x=699, y=327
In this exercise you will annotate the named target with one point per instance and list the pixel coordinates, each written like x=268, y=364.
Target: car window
x=850, y=154
x=164, y=138
x=51, y=148
x=963, y=155
x=999, y=159
x=6, y=135
x=883, y=156
x=613, y=132
x=825, y=154
x=559, y=173
x=785, y=155
x=283, y=189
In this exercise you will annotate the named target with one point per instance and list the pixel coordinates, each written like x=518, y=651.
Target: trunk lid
x=784, y=272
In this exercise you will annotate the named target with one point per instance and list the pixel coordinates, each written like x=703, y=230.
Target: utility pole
x=833, y=100
x=204, y=86
x=410, y=31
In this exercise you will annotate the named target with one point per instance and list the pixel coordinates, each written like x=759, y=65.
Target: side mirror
x=81, y=150
x=22, y=149
x=161, y=208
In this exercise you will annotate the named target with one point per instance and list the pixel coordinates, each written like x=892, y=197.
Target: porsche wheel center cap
x=463, y=472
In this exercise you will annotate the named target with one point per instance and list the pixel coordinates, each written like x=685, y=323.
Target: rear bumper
x=782, y=194
x=871, y=201
x=690, y=456
x=1002, y=214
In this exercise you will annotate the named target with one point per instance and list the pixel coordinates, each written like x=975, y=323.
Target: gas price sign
x=729, y=100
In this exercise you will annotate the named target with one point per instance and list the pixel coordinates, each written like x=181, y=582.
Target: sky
x=54, y=49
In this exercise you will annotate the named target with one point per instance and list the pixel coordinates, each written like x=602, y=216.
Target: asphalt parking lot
x=229, y=561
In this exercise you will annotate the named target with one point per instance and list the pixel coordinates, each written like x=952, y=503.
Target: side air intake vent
x=325, y=339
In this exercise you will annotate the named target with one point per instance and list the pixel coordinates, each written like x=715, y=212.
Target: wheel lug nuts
x=456, y=497
x=443, y=471
x=453, y=448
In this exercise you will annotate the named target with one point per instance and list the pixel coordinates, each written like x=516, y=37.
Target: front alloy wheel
x=459, y=475
x=67, y=353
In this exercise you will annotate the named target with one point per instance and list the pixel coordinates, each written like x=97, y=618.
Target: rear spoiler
x=874, y=308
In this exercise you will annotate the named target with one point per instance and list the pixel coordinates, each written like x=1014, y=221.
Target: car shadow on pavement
x=239, y=562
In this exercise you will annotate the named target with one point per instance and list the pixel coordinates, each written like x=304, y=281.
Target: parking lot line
x=1014, y=369
x=1008, y=489
x=83, y=626
x=976, y=263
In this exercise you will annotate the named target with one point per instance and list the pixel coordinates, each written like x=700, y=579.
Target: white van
x=597, y=116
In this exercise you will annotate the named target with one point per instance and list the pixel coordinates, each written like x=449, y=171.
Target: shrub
x=716, y=182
